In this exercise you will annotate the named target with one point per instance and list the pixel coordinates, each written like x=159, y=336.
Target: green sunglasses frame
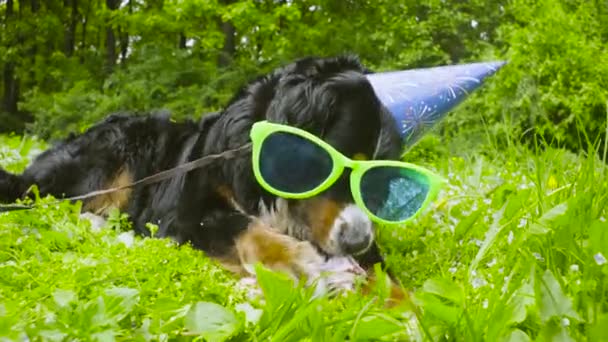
x=262, y=129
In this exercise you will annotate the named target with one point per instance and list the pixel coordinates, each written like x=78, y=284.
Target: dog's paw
x=340, y=274
x=327, y=276
x=335, y=275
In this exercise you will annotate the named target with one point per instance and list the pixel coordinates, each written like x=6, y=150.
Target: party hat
x=420, y=98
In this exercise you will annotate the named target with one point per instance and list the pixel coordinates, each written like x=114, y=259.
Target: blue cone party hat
x=420, y=98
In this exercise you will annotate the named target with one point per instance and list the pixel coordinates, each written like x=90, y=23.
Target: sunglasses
x=292, y=163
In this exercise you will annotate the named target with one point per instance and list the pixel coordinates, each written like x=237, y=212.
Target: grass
x=514, y=250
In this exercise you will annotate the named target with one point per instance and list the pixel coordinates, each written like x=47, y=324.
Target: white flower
x=600, y=259
x=565, y=322
x=485, y=303
x=522, y=222
x=452, y=270
x=538, y=256
x=574, y=268
x=510, y=237
x=478, y=282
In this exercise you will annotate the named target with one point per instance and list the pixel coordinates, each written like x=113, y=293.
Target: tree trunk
x=124, y=44
x=227, y=53
x=10, y=82
x=33, y=51
x=83, y=37
x=111, y=38
x=11, y=88
x=182, y=41
x=35, y=5
x=9, y=8
x=70, y=34
x=8, y=72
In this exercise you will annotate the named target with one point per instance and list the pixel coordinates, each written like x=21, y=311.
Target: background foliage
x=67, y=63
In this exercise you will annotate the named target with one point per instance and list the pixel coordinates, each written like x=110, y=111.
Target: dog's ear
x=389, y=142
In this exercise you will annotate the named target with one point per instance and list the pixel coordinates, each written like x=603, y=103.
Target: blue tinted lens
x=293, y=164
x=393, y=193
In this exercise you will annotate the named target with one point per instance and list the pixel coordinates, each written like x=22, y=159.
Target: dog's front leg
x=279, y=252
x=299, y=259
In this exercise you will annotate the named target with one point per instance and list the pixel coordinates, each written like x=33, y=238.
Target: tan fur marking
x=260, y=244
x=231, y=262
x=225, y=192
x=321, y=214
x=101, y=205
x=276, y=251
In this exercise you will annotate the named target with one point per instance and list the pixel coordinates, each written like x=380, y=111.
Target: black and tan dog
x=221, y=209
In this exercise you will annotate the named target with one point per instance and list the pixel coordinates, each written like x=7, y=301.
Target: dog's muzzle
x=352, y=231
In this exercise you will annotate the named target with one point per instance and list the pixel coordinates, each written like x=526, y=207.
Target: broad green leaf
x=519, y=303
x=375, y=327
x=120, y=301
x=211, y=321
x=104, y=336
x=537, y=229
x=515, y=203
x=543, y=224
x=277, y=287
x=466, y=224
x=555, y=332
x=433, y=305
x=516, y=335
x=491, y=234
x=52, y=335
x=63, y=297
x=598, y=331
x=445, y=288
x=553, y=300
x=598, y=237
x=554, y=213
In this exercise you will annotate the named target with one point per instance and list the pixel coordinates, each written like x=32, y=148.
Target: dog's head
x=332, y=99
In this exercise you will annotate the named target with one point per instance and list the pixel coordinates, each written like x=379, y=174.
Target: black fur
x=329, y=97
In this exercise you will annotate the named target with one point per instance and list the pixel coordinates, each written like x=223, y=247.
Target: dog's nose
x=355, y=230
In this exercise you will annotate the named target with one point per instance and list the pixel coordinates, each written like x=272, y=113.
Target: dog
x=221, y=209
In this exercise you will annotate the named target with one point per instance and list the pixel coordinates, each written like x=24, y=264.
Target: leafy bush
x=185, y=86
x=554, y=85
